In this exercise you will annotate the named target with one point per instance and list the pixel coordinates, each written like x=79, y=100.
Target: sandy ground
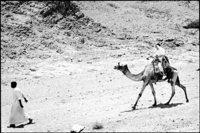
x=82, y=93
x=87, y=89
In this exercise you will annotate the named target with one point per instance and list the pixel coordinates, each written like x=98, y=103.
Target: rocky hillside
x=33, y=32
x=27, y=32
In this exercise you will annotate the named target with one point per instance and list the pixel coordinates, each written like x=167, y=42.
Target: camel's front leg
x=140, y=94
x=154, y=94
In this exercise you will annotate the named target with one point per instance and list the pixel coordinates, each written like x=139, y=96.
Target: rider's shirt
x=159, y=50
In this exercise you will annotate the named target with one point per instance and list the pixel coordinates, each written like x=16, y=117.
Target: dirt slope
x=66, y=68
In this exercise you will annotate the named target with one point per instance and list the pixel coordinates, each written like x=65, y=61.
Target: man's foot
x=11, y=126
x=30, y=121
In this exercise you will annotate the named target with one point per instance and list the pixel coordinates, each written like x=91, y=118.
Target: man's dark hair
x=13, y=84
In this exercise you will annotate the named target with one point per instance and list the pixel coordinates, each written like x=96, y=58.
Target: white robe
x=159, y=51
x=17, y=115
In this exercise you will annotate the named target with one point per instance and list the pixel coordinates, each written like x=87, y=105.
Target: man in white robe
x=159, y=51
x=17, y=116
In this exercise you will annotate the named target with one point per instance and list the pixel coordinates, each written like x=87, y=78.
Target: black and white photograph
x=100, y=66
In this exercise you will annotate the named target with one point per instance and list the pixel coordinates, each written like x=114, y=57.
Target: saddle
x=166, y=68
x=158, y=74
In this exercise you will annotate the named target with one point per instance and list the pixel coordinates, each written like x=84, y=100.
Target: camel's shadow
x=161, y=105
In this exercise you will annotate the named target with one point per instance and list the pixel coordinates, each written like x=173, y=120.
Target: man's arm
x=20, y=103
x=24, y=98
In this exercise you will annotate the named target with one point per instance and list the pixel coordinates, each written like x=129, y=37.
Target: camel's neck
x=134, y=77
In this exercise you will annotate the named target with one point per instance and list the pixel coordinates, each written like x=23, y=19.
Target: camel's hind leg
x=175, y=75
x=154, y=94
x=173, y=93
x=183, y=87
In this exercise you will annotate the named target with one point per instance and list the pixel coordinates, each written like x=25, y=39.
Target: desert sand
x=79, y=85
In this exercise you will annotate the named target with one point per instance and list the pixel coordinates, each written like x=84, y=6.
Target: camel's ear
x=126, y=66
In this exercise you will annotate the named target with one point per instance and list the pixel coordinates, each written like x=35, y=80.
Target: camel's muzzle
x=116, y=67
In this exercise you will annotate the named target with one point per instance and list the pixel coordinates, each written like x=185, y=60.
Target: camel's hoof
x=166, y=104
x=154, y=105
x=187, y=101
x=133, y=108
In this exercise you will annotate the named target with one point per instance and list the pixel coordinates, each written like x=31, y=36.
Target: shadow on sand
x=21, y=126
x=162, y=106
x=166, y=106
x=131, y=110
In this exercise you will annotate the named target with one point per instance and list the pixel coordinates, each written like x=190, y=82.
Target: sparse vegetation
x=97, y=126
x=193, y=24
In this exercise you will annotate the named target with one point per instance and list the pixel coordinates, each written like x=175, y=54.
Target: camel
x=148, y=78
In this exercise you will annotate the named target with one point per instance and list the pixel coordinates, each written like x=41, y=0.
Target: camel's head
x=121, y=67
